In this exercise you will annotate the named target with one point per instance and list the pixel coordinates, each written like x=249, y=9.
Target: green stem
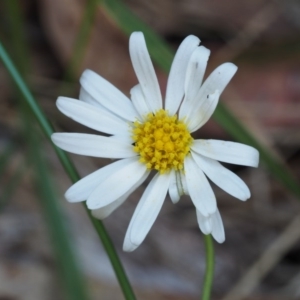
x=70, y=170
x=114, y=259
x=210, y=263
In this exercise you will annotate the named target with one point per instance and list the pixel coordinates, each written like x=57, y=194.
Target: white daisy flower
x=147, y=135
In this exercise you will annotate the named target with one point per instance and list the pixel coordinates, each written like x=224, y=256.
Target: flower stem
x=70, y=170
x=210, y=263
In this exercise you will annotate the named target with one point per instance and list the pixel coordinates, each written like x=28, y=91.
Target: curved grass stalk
x=70, y=170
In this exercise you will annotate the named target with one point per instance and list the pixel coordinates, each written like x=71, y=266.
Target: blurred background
x=260, y=258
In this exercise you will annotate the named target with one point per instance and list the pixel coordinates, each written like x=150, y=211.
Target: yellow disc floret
x=161, y=141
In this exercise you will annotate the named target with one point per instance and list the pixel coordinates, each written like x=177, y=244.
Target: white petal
x=91, y=116
x=148, y=207
x=195, y=71
x=222, y=177
x=107, y=95
x=217, y=81
x=128, y=246
x=145, y=71
x=204, y=112
x=218, y=228
x=92, y=145
x=139, y=101
x=83, y=188
x=102, y=213
x=175, y=85
x=173, y=189
x=87, y=98
x=229, y=152
x=205, y=223
x=199, y=188
x=84, y=96
x=193, y=80
x=117, y=184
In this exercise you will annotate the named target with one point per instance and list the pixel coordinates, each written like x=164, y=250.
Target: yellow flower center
x=162, y=141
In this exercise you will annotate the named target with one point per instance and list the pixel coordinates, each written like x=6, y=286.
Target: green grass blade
x=66, y=260
x=69, y=168
x=16, y=34
x=231, y=124
x=163, y=55
x=69, y=272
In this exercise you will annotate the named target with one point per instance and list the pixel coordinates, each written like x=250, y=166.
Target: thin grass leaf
x=36, y=110
x=231, y=124
x=16, y=34
x=66, y=260
x=70, y=170
x=69, y=271
x=20, y=51
x=162, y=55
